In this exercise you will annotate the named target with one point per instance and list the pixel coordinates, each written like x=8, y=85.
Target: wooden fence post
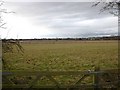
x=96, y=78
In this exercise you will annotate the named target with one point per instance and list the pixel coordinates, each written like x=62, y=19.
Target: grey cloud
x=63, y=17
x=57, y=9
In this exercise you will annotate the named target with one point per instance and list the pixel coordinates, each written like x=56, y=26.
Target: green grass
x=64, y=56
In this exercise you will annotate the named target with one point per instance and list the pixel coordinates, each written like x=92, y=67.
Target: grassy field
x=64, y=55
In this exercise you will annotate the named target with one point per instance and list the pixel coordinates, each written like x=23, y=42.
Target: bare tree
x=8, y=44
x=112, y=7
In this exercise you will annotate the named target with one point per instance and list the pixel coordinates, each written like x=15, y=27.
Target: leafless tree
x=112, y=7
x=8, y=44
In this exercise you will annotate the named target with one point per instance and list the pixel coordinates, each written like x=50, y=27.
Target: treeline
x=89, y=38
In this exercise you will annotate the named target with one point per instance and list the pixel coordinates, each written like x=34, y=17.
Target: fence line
x=98, y=76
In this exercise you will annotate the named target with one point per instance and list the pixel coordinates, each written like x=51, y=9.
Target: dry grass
x=65, y=55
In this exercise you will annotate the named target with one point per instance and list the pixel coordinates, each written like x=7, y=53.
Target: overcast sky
x=57, y=19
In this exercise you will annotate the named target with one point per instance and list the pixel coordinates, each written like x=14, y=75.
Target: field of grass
x=64, y=56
